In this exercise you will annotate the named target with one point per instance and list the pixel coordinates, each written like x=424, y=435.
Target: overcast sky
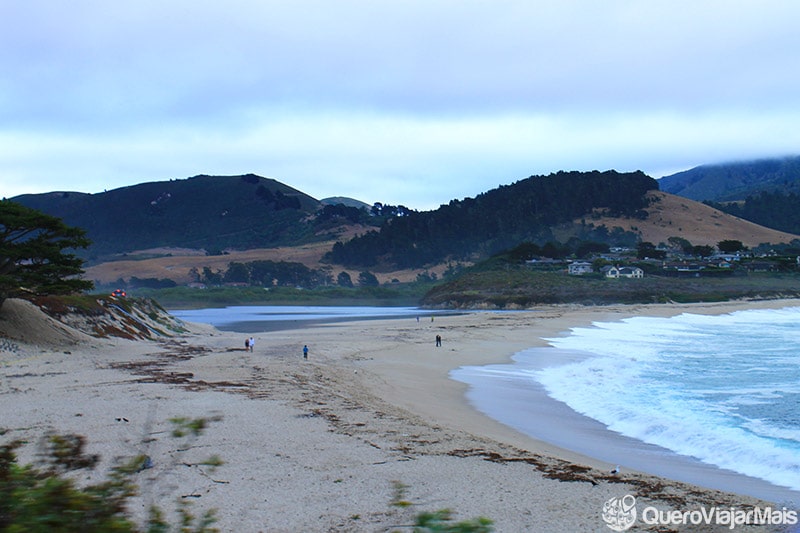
x=404, y=102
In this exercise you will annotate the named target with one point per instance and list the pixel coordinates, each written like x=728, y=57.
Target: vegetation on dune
x=45, y=496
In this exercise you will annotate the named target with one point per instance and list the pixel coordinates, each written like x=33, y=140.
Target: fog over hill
x=735, y=181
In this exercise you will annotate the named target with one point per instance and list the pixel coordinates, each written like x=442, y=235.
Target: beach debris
x=615, y=470
x=147, y=463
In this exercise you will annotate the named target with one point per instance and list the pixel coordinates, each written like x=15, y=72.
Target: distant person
x=305, y=351
x=247, y=345
x=438, y=340
x=252, y=343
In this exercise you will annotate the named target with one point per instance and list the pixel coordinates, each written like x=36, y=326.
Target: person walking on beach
x=438, y=340
x=252, y=343
x=247, y=345
x=305, y=351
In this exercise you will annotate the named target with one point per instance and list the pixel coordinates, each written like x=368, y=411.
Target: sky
x=408, y=103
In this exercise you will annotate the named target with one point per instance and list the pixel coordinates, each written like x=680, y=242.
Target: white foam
x=680, y=383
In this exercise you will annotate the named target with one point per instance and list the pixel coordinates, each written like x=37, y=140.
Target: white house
x=631, y=272
x=622, y=272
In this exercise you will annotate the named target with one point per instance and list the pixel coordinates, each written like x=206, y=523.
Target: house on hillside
x=622, y=272
x=578, y=268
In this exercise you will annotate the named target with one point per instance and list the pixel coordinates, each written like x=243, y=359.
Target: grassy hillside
x=735, y=181
x=674, y=216
x=208, y=212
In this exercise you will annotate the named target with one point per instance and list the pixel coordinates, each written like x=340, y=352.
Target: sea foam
x=724, y=389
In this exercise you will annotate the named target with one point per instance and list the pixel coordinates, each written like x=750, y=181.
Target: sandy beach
x=322, y=444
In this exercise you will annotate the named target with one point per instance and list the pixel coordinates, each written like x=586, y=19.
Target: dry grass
x=674, y=216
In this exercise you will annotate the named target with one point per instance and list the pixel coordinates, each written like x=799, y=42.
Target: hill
x=344, y=200
x=617, y=209
x=472, y=228
x=735, y=181
x=669, y=215
x=164, y=231
x=202, y=212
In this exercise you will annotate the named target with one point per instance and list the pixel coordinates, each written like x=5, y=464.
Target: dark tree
x=647, y=250
x=33, y=253
x=344, y=279
x=702, y=250
x=730, y=246
x=211, y=277
x=237, y=273
x=367, y=279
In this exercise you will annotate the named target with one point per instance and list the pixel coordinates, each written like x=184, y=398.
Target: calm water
x=721, y=389
x=255, y=318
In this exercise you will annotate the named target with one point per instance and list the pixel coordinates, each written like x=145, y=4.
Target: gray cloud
x=409, y=102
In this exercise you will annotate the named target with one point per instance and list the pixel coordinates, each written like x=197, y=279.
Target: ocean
x=719, y=390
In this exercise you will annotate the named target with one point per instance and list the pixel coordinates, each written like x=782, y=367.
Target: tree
x=211, y=277
x=367, y=279
x=647, y=250
x=237, y=273
x=681, y=244
x=344, y=279
x=702, y=250
x=33, y=256
x=730, y=246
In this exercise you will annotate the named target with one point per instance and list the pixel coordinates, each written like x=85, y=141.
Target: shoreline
x=546, y=430
x=558, y=424
x=321, y=445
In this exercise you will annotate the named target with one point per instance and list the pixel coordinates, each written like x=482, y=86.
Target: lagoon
x=258, y=318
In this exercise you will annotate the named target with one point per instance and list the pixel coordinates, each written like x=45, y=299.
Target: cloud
x=419, y=163
x=409, y=102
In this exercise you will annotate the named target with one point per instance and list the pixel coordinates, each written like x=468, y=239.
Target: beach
x=329, y=443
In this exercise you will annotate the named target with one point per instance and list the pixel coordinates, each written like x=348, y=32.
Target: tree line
x=268, y=273
x=774, y=210
x=497, y=219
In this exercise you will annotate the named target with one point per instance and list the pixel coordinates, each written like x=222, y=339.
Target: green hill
x=735, y=181
x=765, y=191
x=537, y=209
x=204, y=212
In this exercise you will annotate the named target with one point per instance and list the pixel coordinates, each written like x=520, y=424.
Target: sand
x=323, y=444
